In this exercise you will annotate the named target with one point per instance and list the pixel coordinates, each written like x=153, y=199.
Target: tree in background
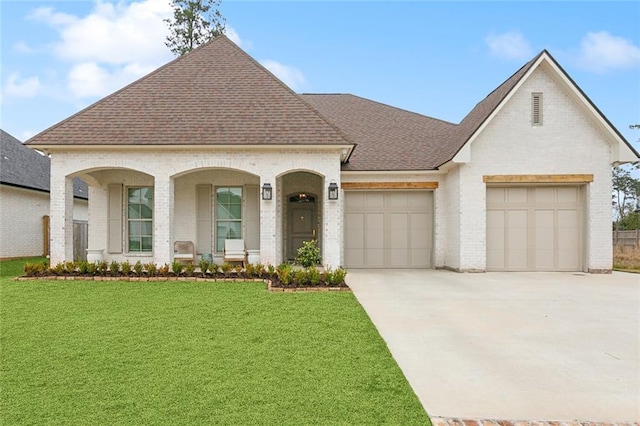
x=194, y=22
x=626, y=195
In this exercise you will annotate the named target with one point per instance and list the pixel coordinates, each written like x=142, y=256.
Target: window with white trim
x=140, y=219
x=228, y=215
x=536, y=109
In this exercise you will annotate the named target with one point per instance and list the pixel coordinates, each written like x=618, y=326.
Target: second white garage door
x=391, y=229
x=534, y=228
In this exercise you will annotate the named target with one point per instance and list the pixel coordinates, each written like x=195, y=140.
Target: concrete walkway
x=512, y=346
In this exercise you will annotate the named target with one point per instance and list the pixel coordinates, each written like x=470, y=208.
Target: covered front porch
x=138, y=210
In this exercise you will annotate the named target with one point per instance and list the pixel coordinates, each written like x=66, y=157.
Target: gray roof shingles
x=388, y=138
x=214, y=95
x=219, y=95
x=23, y=167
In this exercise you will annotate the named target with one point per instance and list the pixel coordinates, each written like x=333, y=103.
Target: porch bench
x=184, y=251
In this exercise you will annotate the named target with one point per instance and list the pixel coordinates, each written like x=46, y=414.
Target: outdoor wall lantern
x=333, y=191
x=266, y=191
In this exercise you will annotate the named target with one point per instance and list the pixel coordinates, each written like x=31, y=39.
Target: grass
x=123, y=353
x=14, y=268
x=626, y=258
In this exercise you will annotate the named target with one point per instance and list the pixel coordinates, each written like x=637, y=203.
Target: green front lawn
x=95, y=352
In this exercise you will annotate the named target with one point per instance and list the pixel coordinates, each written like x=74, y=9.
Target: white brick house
x=24, y=199
x=522, y=183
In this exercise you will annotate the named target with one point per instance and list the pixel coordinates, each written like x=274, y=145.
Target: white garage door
x=534, y=228
x=391, y=229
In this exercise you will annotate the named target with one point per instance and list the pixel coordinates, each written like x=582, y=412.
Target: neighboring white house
x=189, y=151
x=24, y=199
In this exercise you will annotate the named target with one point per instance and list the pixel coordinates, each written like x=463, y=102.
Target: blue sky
x=434, y=58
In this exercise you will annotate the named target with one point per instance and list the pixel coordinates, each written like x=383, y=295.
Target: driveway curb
x=443, y=421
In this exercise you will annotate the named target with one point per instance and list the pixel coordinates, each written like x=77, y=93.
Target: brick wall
x=21, y=210
x=566, y=143
x=174, y=173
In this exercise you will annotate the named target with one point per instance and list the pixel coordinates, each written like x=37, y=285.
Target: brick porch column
x=163, y=195
x=268, y=222
x=332, y=235
x=61, y=218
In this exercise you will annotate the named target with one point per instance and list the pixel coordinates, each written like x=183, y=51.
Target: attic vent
x=536, y=109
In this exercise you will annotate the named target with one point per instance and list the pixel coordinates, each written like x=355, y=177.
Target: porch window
x=228, y=215
x=140, y=219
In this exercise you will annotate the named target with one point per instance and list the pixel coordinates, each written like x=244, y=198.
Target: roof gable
x=25, y=168
x=471, y=126
x=214, y=95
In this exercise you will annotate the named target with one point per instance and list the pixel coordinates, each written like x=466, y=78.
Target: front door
x=302, y=226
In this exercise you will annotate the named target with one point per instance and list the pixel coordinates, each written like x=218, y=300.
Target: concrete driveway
x=512, y=346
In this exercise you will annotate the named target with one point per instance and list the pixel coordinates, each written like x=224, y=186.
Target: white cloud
x=48, y=15
x=291, y=76
x=601, y=52
x=22, y=47
x=115, y=44
x=117, y=33
x=509, y=45
x=233, y=35
x=22, y=87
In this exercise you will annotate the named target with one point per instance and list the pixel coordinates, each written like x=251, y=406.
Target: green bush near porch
x=111, y=352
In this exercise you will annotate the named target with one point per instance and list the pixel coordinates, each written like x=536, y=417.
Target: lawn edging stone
x=269, y=283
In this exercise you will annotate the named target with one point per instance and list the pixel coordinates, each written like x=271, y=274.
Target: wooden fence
x=80, y=238
x=626, y=238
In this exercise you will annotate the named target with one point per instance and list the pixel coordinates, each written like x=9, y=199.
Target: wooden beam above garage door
x=389, y=185
x=574, y=179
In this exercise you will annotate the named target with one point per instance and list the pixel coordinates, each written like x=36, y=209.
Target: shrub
x=226, y=268
x=325, y=276
x=260, y=270
x=102, y=267
x=271, y=270
x=58, y=269
x=300, y=277
x=92, y=268
x=69, y=267
x=214, y=268
x=204, y=266
x=337, y=277
x=189, y=269
x=283, y=272
x=137, y=268
x=238, y=269
x=83, y=267
x=309, y=254
x=126, y=267
x=250, y=270
x=313, y=275
x=114, y=267
x=33, y=269
x=163, y=270
x=177, y=267
x=151, y=269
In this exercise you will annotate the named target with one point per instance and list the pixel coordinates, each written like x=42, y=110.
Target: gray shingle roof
x=24, y=167
x=219, y=95
x=387, y=138
x=214, y=95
